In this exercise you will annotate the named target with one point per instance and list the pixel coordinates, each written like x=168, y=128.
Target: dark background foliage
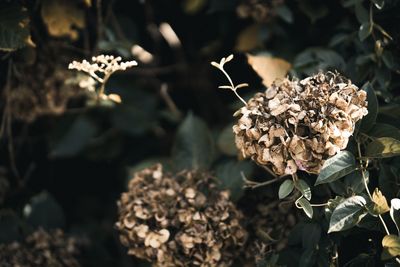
x=68, y=161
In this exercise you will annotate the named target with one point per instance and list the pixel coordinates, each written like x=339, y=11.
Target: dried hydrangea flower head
x=179, y=220
x=41, y=249
x=101, y=68
x=299, y=124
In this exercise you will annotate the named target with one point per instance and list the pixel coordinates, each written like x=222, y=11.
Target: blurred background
x=66, y=157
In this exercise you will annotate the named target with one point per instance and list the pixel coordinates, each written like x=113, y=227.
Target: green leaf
x=383, y=147
x=311, y=235
x=286, y=188
x=75, y=139
x=14, y=26
x=284, y=13
x=336, y=167
x=44, y=211
x=384, y=130
x=388, y=180
x=361, y=13
x=229, y=173
x=304, y=188
x=362, y=260
x=315, y=59
x=308, y=258
x=10, y=226
x=391, y=246
x=395, y=212
x=364, y=31
x=306, y=206
x=388, y=59
x=369, y=120
x=347, y=214
x=313, y=10
x=379, y=3
x=355, y=181
x=194, y=146
x=226, y=142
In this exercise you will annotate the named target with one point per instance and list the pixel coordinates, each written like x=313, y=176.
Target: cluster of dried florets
x=299, y=124
x=259, y=10
x=179, y=220
x=104, y=64
x=100, y=70
x=41, y=249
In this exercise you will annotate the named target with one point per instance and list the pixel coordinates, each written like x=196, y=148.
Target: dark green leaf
x=286, y=188
x=75, y=139
x=315, y=59
x=226, y=142
x=194, y=146
x=379, y=3
x=313, y=10
x=355, y=181
x=388, y=181
x=383, y=147
x=304, y=188
x=306, y=206
x=388, y=59
x=10, y=225
x=361, y=13
x=308, y=258
x=336, y=167
x=311, y=235
x=338, y=39
x=368, y=121
x=362, y=260
x=347, y=214
x=229, y=173
x=14, y=26
x=285, y=13
x=44, y=211
x=384, y=130
x=349, y=3
x=364, y=31
x=132, y=120
x=332, y=204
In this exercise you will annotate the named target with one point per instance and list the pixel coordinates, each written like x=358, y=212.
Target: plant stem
x=366, y=186
x=232, y=85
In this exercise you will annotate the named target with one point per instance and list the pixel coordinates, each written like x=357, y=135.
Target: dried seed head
x=299, y=124
x=42, y=248
x=179, y=220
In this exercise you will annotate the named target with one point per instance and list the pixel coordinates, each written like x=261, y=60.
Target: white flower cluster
x=105, y=64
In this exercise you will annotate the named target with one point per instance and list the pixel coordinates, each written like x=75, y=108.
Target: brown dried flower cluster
x=259, y=10
x=270, y=229
x=41, y=249
x=299, y=124
x=179, y=220
x=39, y=89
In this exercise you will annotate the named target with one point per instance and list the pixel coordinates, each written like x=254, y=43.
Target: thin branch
x=253, y=184
x=366, y=186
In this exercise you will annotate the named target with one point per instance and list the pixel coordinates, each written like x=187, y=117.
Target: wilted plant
x=41, y=248
x=179, y=220
x=100, y=70
x=306, y=125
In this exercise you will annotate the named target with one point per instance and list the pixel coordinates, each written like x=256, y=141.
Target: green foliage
x=86, y=150
x=194, y=145
x=347, y=214
x=336, y=167
x=285, y=188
